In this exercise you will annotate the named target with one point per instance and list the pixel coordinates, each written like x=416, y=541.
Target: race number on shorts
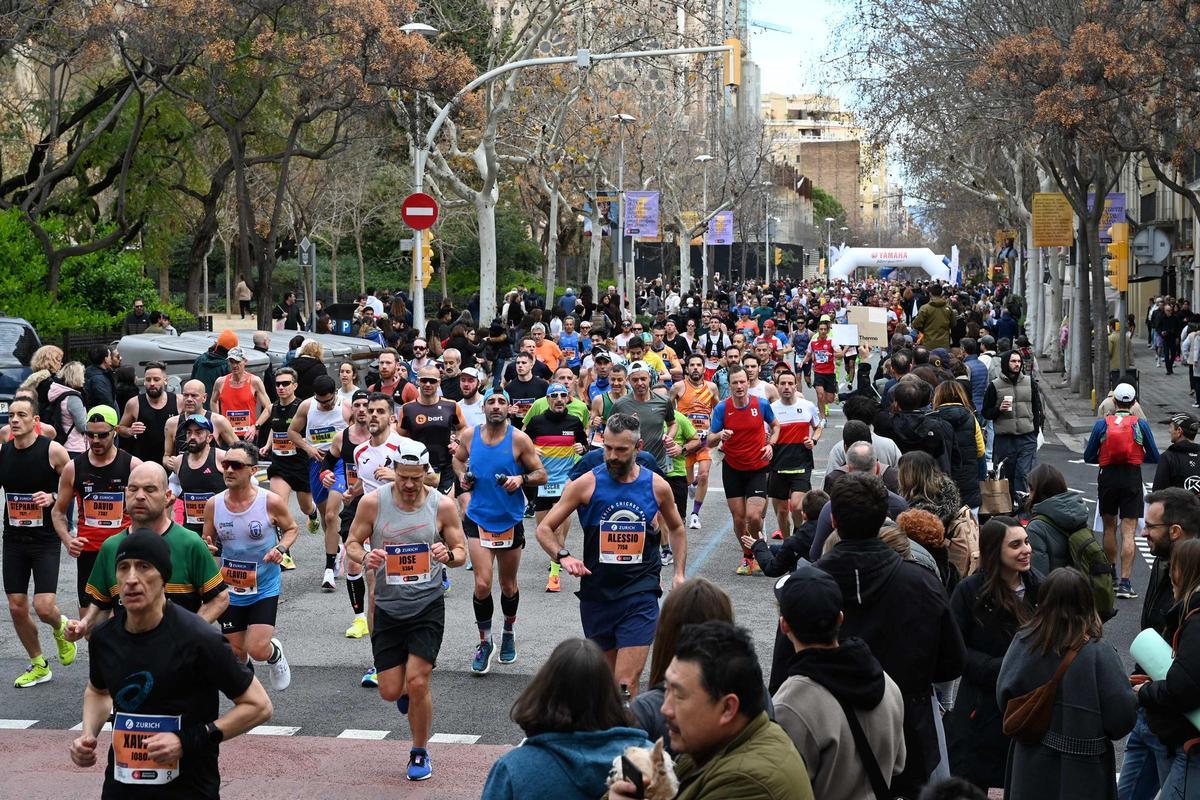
x=104, y=509
x=407, y=563
x=240, y=576
x=193, y=507
x=497, y=541
x=23, y=512
x=131, y=759
x=622, y=542
x=281, y=445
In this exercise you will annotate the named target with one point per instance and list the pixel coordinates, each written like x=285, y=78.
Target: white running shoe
x=281, y=673
x=694, y=522
x=329, y=581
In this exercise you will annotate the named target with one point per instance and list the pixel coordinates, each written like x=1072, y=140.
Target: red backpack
x=1122, y=443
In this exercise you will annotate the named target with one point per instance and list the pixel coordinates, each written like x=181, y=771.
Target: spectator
x=66, y=391
x=978, y=371
x=99, y=385
x=262, y=343
x=368, y=328
x=1170, y=325
x=168, y=328
x=914, y=430
x=243, y=295
x=1006, y=326
x=934, y=319
x=1056, y=514
x=862, y=461
x=923, y=486
x=865, y=409
x=289, y=312
x=137, y=319
x=212, y=363
x=309, y=364
x=781, y=559
x=856, y=431
x=125, y=380
x=155, y=324
x=1014, y=405
x=462, y=339
x=1179, y=464
x=952, y=405
x=572, y=736
x=1115, y=375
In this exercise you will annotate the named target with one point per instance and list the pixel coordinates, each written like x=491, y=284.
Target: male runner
x=391, y=382
x=695, y=397
x=30, y=466
x=413, y=531
x=435, y=423
x=621, y=566
x=200, y=474
x=637, y=351
x=602, y=404
x=823, y=357
x=545, y=350
x=471, y=404
x=524, y=389
x=602, y=362
x=712, y=344
x=686, y=442
x=342, y=449
x=144, y=421
x=192, y=401
x=540, y=370
x=494, y=462
x=758, y=387
x=288, y=470
x=560, y=440
x=96, y=480
x=317, y=423
x=575, y=406
x=800, y=429
x=252, y=529
x=739, y=427
x=242, y=398
x=655, y=412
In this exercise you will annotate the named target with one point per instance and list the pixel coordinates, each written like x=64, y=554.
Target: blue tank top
x=491, y=507
x=620, y=544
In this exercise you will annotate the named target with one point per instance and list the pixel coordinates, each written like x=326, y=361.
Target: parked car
x=18, y=341
x=178, y=353
x=337, y=348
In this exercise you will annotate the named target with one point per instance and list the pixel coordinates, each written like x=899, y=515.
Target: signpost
x=1053, y=220
x=307, y=258
x=419, y=211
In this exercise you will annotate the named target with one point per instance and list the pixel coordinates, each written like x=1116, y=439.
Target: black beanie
x=148, y=546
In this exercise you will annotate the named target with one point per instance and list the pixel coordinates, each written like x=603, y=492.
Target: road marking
x=105, y=728
x=359, y=733
x=453, y=738
x=273, y=730
x=1144, y=548
x=20, y=724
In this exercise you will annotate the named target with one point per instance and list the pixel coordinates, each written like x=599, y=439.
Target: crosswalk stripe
x=360, y=733
x=105, y=728
x=274, y=730
x=17, y=724
x=453, y=738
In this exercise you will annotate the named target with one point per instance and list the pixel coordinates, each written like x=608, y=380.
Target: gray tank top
x=410, y=579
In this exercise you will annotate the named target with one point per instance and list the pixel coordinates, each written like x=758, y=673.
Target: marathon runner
x=192, y=401
x=391, y=382
x=739, y=428
x=602, y=362
x=524, y=389
x=242, y=398
x=252, y=529
x=288, y=470
x=435, y=423
x=686, y=442
x=318, y=421
x=144, y=421
x=96, y=481
x=696, y=397
x=413, y=531
x=39, y=427
x=575, y=406
x=158, y=668
x=621, y=566
x=822, y=355
x=560, y=440
x=800, y=429
x=712, y=344
x=200, y=472
x=342, y=449
x=655, y=412
x=471, y=404
x=602, y=403
x=757, y=386
x=494, y=461
x=30, y=467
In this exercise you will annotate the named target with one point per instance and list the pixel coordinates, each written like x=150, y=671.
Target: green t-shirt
x=575, y=407
x=195, y=577
x=684, y=431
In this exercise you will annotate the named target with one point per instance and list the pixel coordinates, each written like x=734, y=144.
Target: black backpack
x=50, y=412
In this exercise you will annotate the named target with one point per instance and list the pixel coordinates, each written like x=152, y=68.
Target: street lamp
x=703, y=160
x=418, y=295
x=828, y=247
x=766, y=185
x=623, y=120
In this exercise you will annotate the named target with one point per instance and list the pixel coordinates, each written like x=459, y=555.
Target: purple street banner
x=1114, y=212
x=641, y=214
x=720, y=228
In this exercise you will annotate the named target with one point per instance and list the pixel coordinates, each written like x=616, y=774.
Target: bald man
x=193, y=398
x=195, y=582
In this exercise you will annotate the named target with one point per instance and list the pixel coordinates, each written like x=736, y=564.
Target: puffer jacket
x=1054, y=520
x=918, y=430
x=964, y=458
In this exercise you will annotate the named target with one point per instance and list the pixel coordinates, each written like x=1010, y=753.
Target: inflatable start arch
x=846, y=259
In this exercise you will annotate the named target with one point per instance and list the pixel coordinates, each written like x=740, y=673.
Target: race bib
x=240, y=421
x=193, y=507
x=351, y=475
x=321, y=437
x=497, y=541
x=407, y=563
x=23, y=512
x=104, y=509
x=520, y=407
x=131, y=760
x=240, y=576
x=821, y=356
x=622, y=542
x=281, y=445
x=699, y=421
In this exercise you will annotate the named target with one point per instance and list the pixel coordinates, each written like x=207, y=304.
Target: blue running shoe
x=484, y=654
x=508, y=648
x=370, y=679
x=445, y=581
x=402, y=704
x=419, y=768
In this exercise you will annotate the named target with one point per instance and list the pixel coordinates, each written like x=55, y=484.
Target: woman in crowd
x=346, y=383
x=952, y=404
x=1094, y=703
x=1055, y=513
x=927, y=488
x=309, y=364
x=461, y=341
x=989, y=606
x=572, y=735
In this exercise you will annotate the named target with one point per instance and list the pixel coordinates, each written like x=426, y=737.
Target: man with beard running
x=391, y=382
x=494, y=462
x=695, y=397
x=655, y=412
x=602, y=404
x=560, y=440
x=318, y=421
x=144, y=421
x=435, y=423
x=192, y=401
x=200, y=473
x=288, y=470
x=791, y=469
x=342, y=449
x=621, y=566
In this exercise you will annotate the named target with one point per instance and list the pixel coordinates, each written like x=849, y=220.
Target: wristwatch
x=562, y=553
x=215, y=734
x=283, y=551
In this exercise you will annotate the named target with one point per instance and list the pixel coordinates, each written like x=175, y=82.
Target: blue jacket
x=979, y=381
x=563, y=766
x=1091, y=453
x=1007, y=328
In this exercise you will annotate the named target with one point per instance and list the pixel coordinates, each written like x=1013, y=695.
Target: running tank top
x=759, y=390
x=23, y=472
x=493, y=508
x=245, y=538
x=409, y=579
x=197, y=484
x=181, y=432
x=100, y=493
x=431, y=426
x=324, y=426
x=281, y=419
x=149, y=444
x=369, y=457
x=620, y=544
x=473, y=412
x=697, y=405
x=239, y=405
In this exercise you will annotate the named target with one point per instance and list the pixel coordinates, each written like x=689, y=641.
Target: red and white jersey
x=369, y=457
x=796, y=424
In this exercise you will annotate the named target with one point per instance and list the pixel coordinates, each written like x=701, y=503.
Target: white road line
x=453, y=738
x=273, y=730
x=19, y=724
x=105, y=728
x=359, y=733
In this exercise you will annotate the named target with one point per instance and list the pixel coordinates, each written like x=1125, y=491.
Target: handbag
x=1027, y=717
x=995, y=497
x=879, y=785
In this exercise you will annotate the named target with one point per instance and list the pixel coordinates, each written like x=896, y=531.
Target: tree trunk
x=443, y=269
x=333, y=266
x=362, y=267
x=594, y=246
x=685, y=263
x=552, y=244
x=1098, y=320
x=227, y=250
x=1052, y=311
x=485, y=219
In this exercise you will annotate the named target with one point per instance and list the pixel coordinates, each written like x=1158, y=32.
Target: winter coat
x=761, y=763
x=1179, y=465
x=72, y=416
x=927, y=432
x=1094, y=702
x=791, y=550
x=1018, y=419
x=808, y=710
x=1064, y=514
x=896, y=506
x=977, y=746
x=1167, y=700
x=647, y=711
x=560, y=765
x=979, y=380
x=99, y=388
x=934, y=320
x=968, y=447
x=308, y=369
x=208, y=366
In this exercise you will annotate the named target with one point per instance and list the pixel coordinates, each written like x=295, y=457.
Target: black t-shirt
x=540, y=370
x=523, y=395
x=177, y=669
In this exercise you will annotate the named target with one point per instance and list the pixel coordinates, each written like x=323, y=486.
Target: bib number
x=622, y=542
x=23, y=512
x=104, y=509
x=239, y=420
x=407, y=564
x=132, y=763
x=497, y=541
x=699, y=421
x=351, y=475
x=193, y=507
x=240, y=576
x=551, y=489
x=281, y=445
x=323, y=436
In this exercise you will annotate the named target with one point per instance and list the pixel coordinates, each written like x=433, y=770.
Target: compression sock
x=356, y=587
x=696, y=506
x=508, y=606
x=330, y=560
x=554, y=570
x=276, y=654
x=483, y=615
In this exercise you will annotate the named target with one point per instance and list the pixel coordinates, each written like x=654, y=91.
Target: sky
x=789, y=60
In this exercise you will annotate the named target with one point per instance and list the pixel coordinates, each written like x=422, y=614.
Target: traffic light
x=1118, y=256
x=426, y=259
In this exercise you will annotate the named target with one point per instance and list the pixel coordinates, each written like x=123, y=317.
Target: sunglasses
x=284, y=383
x=563, y=395
x=428, y=380
x=98, y=436
x=419, y=348
x=236, y=465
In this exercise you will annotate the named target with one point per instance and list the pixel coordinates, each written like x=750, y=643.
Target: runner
x=144, y=421
x=602, y=404
x=252, y=530
x=696, y=397
x=435, y=423
x=712, y=344
x=575, y=406
x=30, y=466
x=494, y=461
x=200, y=474
x=739, y=428
x=192, y=401
x=560, y=440
x=686, y=443
x=471, y=404
x=655, y=412
x=758, y=387
x=800, y=429
x=524, y=390
x=242, y=398
x=620, y=571
x=317, y=423
x=288, y=470
x=822, y=355
x=602, y=362
x=391, y=382
x=412, y=531
x=342, y=449
x=95, y=480
x=159, y=668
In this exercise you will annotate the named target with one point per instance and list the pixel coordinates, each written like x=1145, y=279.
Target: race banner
x=720, y=228
x=641, y=214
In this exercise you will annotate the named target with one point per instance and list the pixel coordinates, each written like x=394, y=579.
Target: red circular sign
x=419, y=211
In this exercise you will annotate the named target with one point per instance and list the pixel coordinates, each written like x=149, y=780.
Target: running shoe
x=357, y=629
x=530, y=510
x=694, y=522
x=419, y=768
x=445, y=581
x=755, y=569
x=281, y=673
x=402, y=704
x=370, y=679
x=508, y=647
x=313, y=524
x=35, y=674
x=668, y=558
x=484, y=654
x=66, y=650
x=287, y=564
x=778, y=534
x=339, y=561
x=1125, y=590
x=553, y=583
x=329, y=581
x=743, y=568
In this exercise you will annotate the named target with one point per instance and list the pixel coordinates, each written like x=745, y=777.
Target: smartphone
x=632, y=774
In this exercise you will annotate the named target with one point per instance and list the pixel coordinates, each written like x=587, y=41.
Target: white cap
x=412, y=453
x=639, y=366
x=471, y=372
x=1124, y=393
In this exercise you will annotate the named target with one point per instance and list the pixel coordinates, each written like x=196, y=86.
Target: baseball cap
x=494, y=390
x=810, y=601
x=639, y=366
x=1189, y=424
x=200, y=421
x=1124, y=393
x=360, y=394
x=825, y=318
x=556, y=388
x=600, y=354
x=105, y=413
x=412, y=453
x=471, y=372
x=236, y=354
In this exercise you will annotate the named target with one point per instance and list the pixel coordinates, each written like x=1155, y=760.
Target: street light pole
x=703, y=158
x=418, y=288
x=766, y=232
x=623, y=120
x=828, y=249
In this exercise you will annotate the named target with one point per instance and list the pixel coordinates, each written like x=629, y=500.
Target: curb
x=1055, y=405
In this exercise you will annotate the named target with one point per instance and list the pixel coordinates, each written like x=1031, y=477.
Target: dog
x=653, y=765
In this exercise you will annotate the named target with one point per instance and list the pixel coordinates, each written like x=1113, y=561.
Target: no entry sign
x=419, y=211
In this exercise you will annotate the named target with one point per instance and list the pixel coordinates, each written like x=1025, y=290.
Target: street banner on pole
x=720, y=228
x=641, y=214
x=691, y=219
x=872, y=324
x=1114, y=212
x=1053, y=220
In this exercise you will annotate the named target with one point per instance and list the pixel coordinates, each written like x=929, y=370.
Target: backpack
x=1122, y=442
x=962, y=536
x=1087, y=556
x=51, y=413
